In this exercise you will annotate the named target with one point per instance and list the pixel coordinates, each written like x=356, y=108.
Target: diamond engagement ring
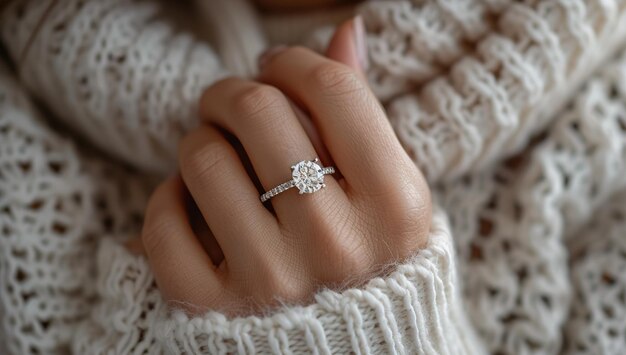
x=307, y=176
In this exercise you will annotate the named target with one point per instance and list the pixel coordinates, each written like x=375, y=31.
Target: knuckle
x=280, y=281
x=257, y=100
x=296, y=52
x=204, y=161
x=351, y=259
x=197, y=298
x=155, y=235
x=185, y=145
x=344, y=246
x=403, y=214
x=299, y=49
x=153, y=238
x=336, y=79
x=273, y=65
x=208, y=295
x=286, y=289
x=412, y=212
x=413, y=233
x=213, y=90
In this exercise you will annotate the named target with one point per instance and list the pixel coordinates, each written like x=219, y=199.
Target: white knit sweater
x=515, y=111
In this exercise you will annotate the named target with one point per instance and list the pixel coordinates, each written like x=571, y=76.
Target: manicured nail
x=360, y=41
x=266, y=56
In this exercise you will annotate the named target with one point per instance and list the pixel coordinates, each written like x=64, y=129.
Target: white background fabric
x=510, y=109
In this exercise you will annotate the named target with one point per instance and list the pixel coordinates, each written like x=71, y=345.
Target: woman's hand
x=377, y=212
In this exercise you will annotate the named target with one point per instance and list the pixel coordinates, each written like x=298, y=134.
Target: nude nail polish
x=360, y=42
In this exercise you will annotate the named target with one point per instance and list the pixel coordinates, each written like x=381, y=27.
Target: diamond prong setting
x=307, y=176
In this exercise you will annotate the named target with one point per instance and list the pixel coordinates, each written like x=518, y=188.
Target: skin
x=247, y=256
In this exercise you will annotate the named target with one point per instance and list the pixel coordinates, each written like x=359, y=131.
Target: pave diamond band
x=307, y=176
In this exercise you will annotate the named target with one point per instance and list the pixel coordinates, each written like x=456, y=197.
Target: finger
x=204, y=234
x=183, y=271
x=343, y=46
x=314, y=137
x=302, y=116
x=135, y=246
x=200, y=229
x=263, y=120
x=349, y=118
x=223, y=191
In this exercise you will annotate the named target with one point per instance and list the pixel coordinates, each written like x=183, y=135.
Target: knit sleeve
x=415, y=309
x=112, y=71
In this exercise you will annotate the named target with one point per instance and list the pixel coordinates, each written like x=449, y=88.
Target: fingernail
x=360, y=42
x=266, y=56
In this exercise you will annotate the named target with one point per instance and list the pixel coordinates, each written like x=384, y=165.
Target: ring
x=307, y=176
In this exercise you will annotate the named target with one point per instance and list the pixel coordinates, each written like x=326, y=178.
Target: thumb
x=348, y=45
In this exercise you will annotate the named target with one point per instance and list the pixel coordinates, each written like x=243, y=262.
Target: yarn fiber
x=514, y=110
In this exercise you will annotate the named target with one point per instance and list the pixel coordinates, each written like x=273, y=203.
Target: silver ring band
x=307, y=176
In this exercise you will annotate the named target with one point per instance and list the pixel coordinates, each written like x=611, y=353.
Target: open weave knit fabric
x=515, y=111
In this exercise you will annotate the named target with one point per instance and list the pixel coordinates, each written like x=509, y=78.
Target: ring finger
x=261, y=117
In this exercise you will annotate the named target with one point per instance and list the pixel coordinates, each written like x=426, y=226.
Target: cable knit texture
x=515, y=111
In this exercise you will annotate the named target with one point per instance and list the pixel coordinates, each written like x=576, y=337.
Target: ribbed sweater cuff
x=415, y=309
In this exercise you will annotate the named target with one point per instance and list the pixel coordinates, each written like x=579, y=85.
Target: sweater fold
x=414, y=309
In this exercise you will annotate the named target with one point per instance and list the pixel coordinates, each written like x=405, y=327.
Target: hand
x=377, y=212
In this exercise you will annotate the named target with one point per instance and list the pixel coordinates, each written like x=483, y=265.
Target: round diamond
x=308, y=176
